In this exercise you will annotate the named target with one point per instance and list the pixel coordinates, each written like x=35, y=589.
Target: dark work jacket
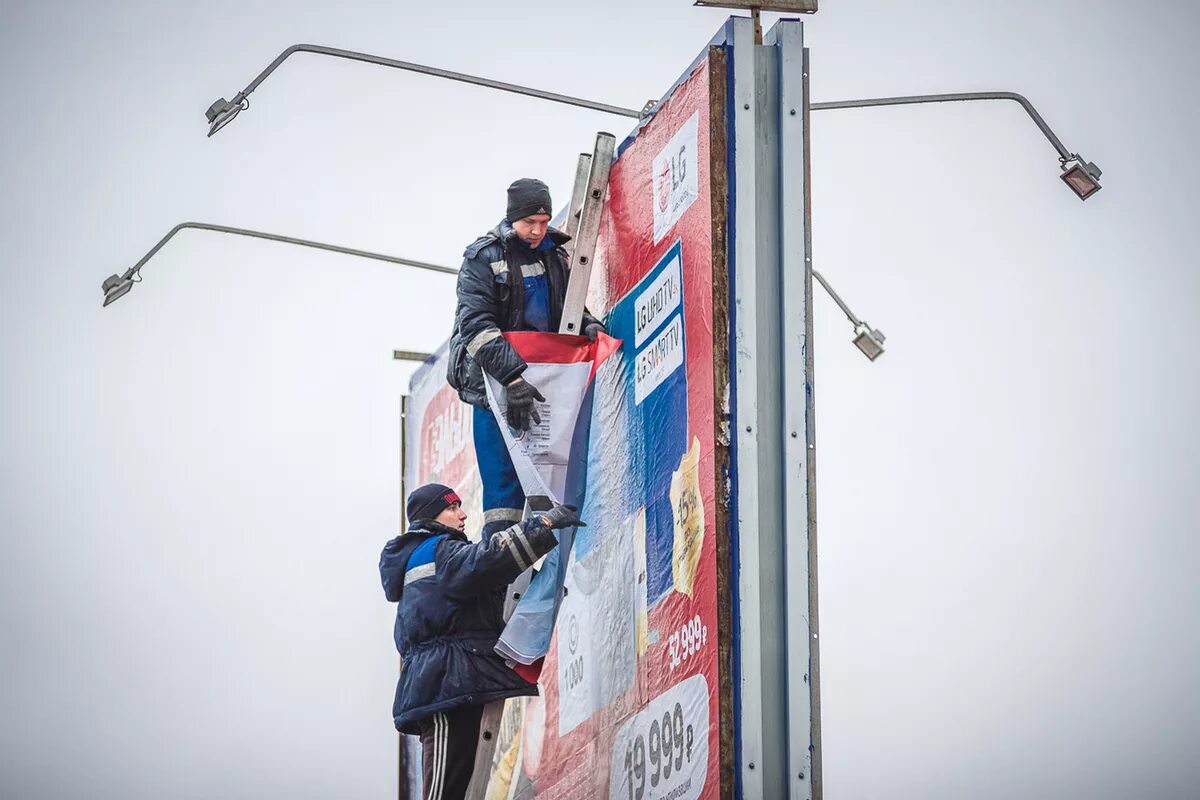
x=451, y=612
x=491, y=301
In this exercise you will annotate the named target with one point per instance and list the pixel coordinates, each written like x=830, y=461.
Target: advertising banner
x=628, y=704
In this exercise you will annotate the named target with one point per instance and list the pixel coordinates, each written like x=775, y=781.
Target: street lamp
x=1082, y=176
x=870, y=342
x=117, y=286
x=222, y=112
x=866, y=338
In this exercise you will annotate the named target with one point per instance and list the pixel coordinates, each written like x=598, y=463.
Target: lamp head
x=222, y=112
x=1082, y=176
x=115, y=287
x=869, y=341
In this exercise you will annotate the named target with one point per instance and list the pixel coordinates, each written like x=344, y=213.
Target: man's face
x=532, y=229
x=453, y=516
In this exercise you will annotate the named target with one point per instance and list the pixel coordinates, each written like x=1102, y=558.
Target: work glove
x=521, y=404
x=593, y=329
x=563, y=516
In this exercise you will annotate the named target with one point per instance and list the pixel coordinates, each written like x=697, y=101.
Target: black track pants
x=448, y=744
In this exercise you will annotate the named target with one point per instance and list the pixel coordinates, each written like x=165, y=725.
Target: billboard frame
x=763, y=461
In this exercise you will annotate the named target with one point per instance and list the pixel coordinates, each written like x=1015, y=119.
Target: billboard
x=631, y=688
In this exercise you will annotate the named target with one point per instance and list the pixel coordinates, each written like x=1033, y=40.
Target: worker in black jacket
x=451, y=602
x=514, y=278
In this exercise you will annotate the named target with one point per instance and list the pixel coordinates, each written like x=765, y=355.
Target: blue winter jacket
x=491, y=302
x=451, y=596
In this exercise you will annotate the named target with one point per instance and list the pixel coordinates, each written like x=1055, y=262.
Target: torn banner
x=550, y=461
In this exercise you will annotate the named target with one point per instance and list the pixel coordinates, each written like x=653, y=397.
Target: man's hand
x=521, y=404
x=593, y=329
x=563, y=516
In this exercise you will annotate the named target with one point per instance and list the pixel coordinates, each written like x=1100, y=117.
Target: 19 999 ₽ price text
x=661, y=753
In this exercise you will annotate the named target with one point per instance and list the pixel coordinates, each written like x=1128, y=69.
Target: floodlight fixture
x=117, y=286
x=1082, y=176
x=869, y=341
x=223, y=111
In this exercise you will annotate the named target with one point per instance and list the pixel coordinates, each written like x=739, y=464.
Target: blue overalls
x=503, y=496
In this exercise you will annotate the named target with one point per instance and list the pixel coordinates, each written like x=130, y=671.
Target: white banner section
x=561, y=368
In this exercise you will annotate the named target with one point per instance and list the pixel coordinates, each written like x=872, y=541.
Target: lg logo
x=671, y=177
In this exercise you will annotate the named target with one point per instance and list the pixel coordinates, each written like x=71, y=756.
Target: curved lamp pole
x=222, y=112
x=1082, y=176
x=117, y=286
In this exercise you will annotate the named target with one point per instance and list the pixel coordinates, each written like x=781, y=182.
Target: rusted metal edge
x=718, y=77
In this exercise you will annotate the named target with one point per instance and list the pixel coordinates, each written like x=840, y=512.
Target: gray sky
x=197, y=480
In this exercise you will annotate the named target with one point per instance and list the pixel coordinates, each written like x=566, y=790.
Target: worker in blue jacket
x=451, y=612
x=513, y=278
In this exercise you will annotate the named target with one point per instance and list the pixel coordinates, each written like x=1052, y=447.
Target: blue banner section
x=638, y=444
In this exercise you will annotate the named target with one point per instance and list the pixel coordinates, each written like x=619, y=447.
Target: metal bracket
x=411, y=355
x=587, y=230
x=782, y=6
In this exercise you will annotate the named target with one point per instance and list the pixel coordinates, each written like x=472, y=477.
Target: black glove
x=521, y=397
x=563, y=517
x=593, y=329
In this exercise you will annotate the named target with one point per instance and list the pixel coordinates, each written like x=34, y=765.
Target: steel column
x=778, y=751
x=755, y=317
x=799, y=525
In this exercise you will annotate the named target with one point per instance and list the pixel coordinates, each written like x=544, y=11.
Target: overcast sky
x=197, y=480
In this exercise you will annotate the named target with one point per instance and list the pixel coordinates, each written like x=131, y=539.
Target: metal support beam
x=810, y=423
x=780, y=6
x=797, y=435
x=777, y=688
x=759, y=618
x=401, y=777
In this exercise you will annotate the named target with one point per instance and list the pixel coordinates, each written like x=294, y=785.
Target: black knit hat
x=526, y=197
x=426, y=502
